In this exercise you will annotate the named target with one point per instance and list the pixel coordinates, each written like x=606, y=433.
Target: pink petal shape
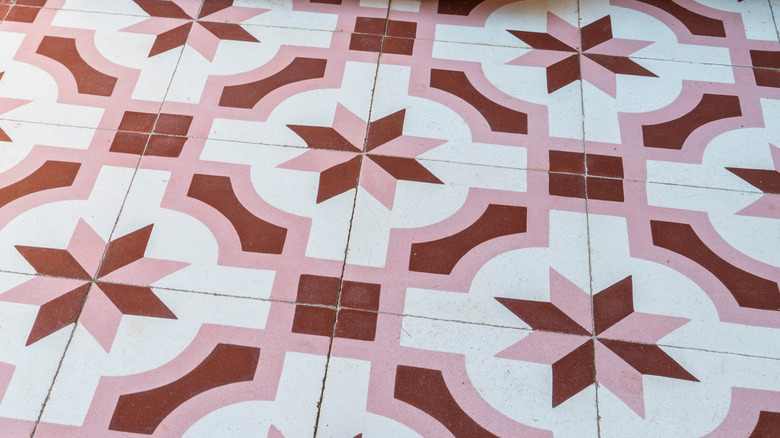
x=543, y=347
x=234, y=14
x=204, y=42
x=6, y=372
x=144, y=272
x=539, y=58
x=377, y=182
x=619, y=46
x=40, y=290
x=643, y=328
x=273, y=432
x=563, y=31
x=599, y=76
x=773, y=150
x=100, y=318
x=154, y=26
x=189, y=7
x=316, y=160
x=8, y=104
x=86, y=246
x=767, y=206
x=408, y=146
x=620, y=379
x=572, y=300
x=350, y=126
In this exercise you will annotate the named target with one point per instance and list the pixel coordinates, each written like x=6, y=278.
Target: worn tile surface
x=373, y=218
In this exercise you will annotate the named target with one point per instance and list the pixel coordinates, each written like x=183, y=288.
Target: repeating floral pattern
x=347, y=218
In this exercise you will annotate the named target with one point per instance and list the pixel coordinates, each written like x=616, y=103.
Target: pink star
x=217, y=20
x=602, y=56
x=336, y=152
x=110, y=292
x=615, y=343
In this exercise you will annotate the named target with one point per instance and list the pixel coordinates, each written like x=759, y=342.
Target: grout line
x=587, y=222
x=774, y=19
x=351, y=221
x=105, y=250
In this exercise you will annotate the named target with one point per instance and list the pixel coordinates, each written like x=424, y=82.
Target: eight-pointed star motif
x=68, y=273
x=766, y=180
x=390, y=155
x=603, y=57
x=614, y=342
x=216, y=20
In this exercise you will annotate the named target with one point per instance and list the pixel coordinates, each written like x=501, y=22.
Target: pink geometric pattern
x=347, y=218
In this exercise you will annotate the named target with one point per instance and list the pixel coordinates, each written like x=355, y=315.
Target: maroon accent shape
x=125, y=250
x=173, y=124
x=20, y=14
x=137, y=122
x=3, y=136
x=338, y=179
x=426, y=390
x=142, y=412
x=403, y=168
x=672, y=134
x=88, y=80
x=563, y=73
x=360, y=295
x=129, y=143
x=499, y=118
x=620, y=65
x=457, y=7
x=398, y=46
x=386, y=129
x=165, y=146
x=211, y=6
x=171, y=39
x=255, y=234
x=310, y=320
x=580, y=186
x=317, y=290
x=160, y=8
x=401, y=29
x=375, y=26
x=365, y=43
x=768, y=425
x=765, y=58
x=135, y=300
x=58, y=313
x=595, y=33
x=249, y=94
x=696, y=23
x=768, y=181
x=440, y=256
x=573, y=373
x=748, y=290
x=53, y=262
x=574, y=162
x=357, y=322
x=542, y=41
x=612, y=305
x=567, y=185
x=360, y=319
x=228, y=31
x=542, y=315
x=766, y=77
x=51, y=175
x=648, y=359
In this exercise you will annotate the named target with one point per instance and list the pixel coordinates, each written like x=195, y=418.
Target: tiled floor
x=403, y=218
